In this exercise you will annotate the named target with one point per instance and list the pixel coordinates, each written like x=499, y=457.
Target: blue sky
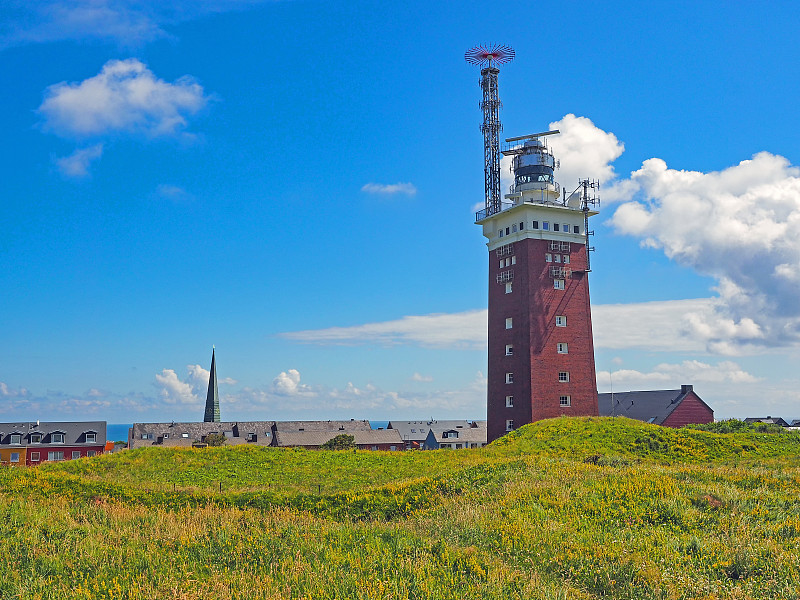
x=294, y=182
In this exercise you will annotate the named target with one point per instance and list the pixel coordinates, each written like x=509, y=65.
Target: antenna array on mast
x=487, y=56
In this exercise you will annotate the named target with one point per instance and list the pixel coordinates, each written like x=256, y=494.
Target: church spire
x=212, y=398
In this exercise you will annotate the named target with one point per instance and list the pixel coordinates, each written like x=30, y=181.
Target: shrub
x=340, y=442
x=215, y=439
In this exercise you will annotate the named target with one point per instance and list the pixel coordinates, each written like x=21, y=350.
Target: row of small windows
x=55, y=438
x=507, y=262
x=561, y=321
x=557, y=258
x=14, y=457
x=545, y=226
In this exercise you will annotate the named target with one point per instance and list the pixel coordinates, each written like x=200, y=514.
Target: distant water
x=118, y=432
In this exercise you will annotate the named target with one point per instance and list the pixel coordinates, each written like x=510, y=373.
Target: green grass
x=566, y=508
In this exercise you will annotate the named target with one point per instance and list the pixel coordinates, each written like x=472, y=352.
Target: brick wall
x=691, y=410
x=533, y=306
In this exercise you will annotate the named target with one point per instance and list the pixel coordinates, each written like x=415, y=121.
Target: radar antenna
x=487, y=56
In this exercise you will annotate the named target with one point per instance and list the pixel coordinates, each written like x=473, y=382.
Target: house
x=31, y=444
x=335, y=426
x=364, y=439
x=670, y=408
x=769, y=421
x=415, y=433
x=255, y=433
x=456, y=438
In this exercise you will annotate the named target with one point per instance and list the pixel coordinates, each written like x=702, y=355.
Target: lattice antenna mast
x=488, y=56
x=589, y=197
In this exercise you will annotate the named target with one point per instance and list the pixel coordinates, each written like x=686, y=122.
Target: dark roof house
x=670, y=408
x=769, y=421
x=364, y=439
x=414, y=433
x=258, y=433
x=474, y=436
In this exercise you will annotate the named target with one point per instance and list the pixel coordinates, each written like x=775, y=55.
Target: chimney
x=685, y=389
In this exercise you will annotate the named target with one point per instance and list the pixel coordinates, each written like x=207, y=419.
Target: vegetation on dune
x=532, y=516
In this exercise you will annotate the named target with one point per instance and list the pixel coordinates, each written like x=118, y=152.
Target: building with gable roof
x=30, y=444
x=670, y=408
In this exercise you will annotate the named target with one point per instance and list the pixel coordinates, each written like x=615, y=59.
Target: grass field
x=566, y=508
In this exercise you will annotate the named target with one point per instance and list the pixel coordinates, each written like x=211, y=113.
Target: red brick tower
x=541, y=353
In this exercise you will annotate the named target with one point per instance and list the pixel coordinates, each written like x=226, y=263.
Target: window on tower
x=509, y=401
x=509, y=323
x=564, y=401
x=509, y=350
x=508, y=287
x=500, y=233
x=513, y=260
x=521, y=225
x=509, y=424
x=514, y=228
x=555, y=226
x=548, y=257
x=566, y=259
x=536, y=224
x=558, y=284
x=561, y=321
x=566, y=227
x=561, y=347
x=557, y=258
x=563, y=376
x=507, y=231
x=509, y=378
x=576, y=229
x=545, y=225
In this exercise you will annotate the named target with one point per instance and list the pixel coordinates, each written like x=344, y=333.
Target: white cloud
x=124, y=97
x=127, y=22
x=422, y=378
x=736, y=225
x=357, y=401
x=409, y=189
x=77, y=164
x=287, y=383
x=6, y=392
x=668, y=376
x=465, y=330
x=175, y=391
x=584, y=150
x=172, y=192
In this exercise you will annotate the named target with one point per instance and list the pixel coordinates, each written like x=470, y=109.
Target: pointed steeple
x=212, y=398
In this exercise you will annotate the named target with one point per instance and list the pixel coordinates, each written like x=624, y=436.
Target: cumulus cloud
x=422, y=378
x=287, y=383
x=667, y=375
x=77, y=164
x=409, y=189
x=6, y=392
x=357, y=401
x=191, y=390
x=124, y=97
x=175, y=391
x=584, y=150
x=735, y=225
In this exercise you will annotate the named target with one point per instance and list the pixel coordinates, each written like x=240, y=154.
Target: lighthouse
x=541, y=352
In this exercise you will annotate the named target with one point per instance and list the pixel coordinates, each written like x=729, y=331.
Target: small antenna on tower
x=487, y=56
